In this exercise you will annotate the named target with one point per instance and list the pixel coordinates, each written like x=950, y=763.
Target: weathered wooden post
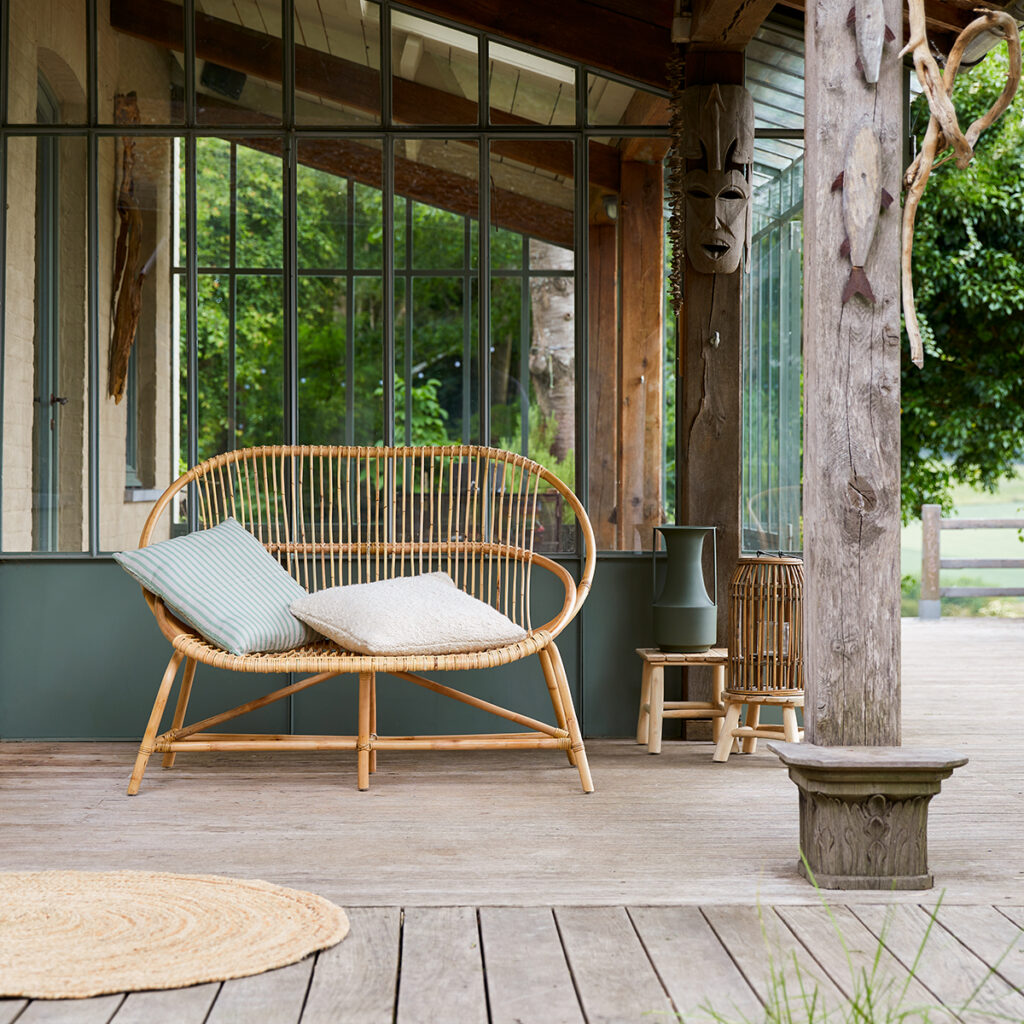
x=930, y=604
x=863, y=799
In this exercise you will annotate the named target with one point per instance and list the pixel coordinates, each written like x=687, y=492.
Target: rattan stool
x=653, y=706
x=751, y=730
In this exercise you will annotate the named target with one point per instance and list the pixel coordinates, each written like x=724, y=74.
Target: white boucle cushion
x=425, y=614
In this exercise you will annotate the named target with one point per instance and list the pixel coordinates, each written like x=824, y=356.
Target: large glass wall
x=772, y=330
x=310, y=223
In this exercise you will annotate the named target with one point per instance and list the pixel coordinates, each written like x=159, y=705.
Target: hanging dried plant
x=129, y=272
x=676, y=173
x=944, y=131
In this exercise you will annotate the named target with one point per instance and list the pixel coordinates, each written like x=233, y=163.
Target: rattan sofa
x=340, y=515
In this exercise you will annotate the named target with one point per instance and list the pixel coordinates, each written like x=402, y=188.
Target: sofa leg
x=556, y=697
x=571, y=725
x=363, y=748
x=179, y=712
x=146, y=747
x=373, y=721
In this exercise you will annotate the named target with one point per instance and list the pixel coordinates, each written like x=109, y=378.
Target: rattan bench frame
x=334, y=514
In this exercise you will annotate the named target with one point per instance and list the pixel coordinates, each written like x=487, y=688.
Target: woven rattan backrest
x=341, y=515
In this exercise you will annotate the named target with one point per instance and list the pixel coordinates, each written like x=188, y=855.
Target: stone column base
x=864, y=812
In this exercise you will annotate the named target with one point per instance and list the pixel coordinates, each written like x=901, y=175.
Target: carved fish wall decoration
x=867, y=17
x=863, y=199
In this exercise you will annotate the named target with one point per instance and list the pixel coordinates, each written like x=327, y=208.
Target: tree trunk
x=553, y=345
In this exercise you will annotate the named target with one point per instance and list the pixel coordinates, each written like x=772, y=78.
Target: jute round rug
x=70, y=934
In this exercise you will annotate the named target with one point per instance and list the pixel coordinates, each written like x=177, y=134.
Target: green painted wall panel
x=82, y=659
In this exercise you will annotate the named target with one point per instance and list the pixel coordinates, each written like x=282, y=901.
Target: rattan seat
x=337, y=515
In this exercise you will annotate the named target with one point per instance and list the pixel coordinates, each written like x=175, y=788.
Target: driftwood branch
x=129, y=273
x=943, y=132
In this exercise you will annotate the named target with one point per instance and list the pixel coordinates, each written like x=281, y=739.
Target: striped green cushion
x=226, y=585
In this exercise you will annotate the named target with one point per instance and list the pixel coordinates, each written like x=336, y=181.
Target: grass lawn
x=1006, y=503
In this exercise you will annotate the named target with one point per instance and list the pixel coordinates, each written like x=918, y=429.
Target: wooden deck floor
x=485, y=887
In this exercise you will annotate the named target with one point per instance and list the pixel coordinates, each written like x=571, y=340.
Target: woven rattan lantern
x=765, y=657
x=766, y=626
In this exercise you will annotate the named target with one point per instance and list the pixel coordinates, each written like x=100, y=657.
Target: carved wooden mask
x=718, y=144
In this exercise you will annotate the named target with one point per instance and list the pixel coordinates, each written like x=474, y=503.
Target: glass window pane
x=138, y=410
x=436, y=76
x=368, y=228
x=324, y=402
x=368, y=376
x=533, y=316
x=772, y=353
x=440, y=178
x=259, y=198
x=238, y=61
x=532, y=189
x=612, y=102
x=259, y=360
x=437, y=375
x=46, y=396
x=510, y=346
x=324, y=204
x=141, y=56
x=215, y=412
x=216, y=172
x=525, y=87
x=54, y=60
x=438, y=238
x=775, y=77
x=337, y=63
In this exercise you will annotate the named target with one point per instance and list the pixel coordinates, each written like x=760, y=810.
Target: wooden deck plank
x=442, y=967
x=991, y=936
x=852, y=955
x=470, y=829
x=947, y=967
x=357, y=979
x=693, y=965
x=611, y=970
x=180, y=1005
x=760, y=943
x=528, y=978
x=275, y=997
x=97, y=1010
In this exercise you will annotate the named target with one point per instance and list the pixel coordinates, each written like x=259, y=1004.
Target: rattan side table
x=653, y=706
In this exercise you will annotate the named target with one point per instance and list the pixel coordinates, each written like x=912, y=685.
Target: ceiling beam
x=645, y=109
x=726, y=24
x=944, y=17
x=604, y=38
x=345, y=158
x=347, y=83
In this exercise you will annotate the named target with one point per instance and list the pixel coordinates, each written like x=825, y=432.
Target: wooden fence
x=932, y=562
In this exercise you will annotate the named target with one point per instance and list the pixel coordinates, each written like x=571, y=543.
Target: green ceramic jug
x=685, y=617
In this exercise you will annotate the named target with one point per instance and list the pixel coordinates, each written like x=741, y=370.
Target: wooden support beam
x=726, y=24
x=603, y=382
x=604, y=36
x=642, y=232
x=851, y=396
x=708, y=390
x=346, y=83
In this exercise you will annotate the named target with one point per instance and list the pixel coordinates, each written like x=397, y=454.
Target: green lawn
x=1006, y=503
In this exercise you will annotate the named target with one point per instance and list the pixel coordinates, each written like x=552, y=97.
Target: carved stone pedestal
x=864, y=812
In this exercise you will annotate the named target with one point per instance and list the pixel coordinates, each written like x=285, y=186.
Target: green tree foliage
x=963, y=414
